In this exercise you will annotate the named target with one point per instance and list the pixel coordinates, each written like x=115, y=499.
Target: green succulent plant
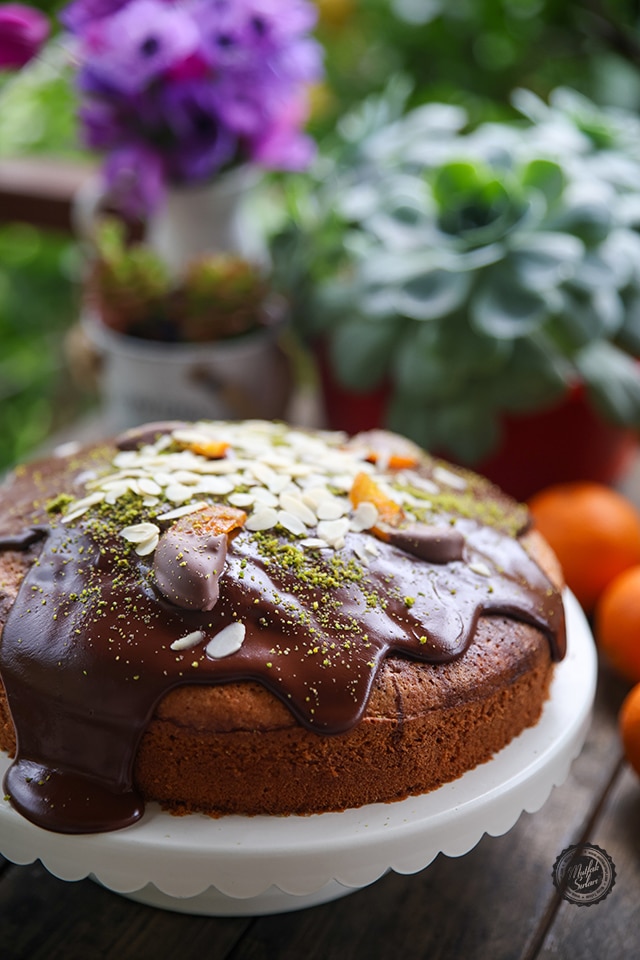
x=221, y=295
x=476, y=272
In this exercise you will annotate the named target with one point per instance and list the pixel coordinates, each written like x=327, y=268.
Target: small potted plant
x=203, y=345
x=459, y=284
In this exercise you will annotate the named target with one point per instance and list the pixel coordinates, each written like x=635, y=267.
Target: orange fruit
x=594, y=531
x=617, y=623
x=629, y=724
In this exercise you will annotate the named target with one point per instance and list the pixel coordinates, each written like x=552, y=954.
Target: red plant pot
x=566, y=442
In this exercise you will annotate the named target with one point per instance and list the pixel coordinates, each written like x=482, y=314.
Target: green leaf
x=432, y=294
x=533, y=379
x=505, y=310
x=587, y=316
x=545, y=176
x=629, y=333
x=413, y=418
x=361, y=350
x=466, y=432
x=543, y=260
x=613, y=382
x=447, y=359
x=587, y=217
x=422, y=365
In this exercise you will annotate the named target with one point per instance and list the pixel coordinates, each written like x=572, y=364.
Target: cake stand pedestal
x=260, y=865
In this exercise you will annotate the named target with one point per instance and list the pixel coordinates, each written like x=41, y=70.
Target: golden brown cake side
x=426, y=725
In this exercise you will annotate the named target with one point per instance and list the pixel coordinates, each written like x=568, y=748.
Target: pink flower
x=283, y=145
x=23, y=30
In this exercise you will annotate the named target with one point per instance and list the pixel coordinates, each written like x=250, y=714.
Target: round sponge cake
x=251, y=618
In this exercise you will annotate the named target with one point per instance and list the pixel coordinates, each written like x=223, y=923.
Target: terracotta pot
x=566, y=442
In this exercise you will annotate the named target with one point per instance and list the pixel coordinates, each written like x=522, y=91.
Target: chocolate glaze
x=433, y=544
x=187, y=565
x=24, y=539
x=86, y=649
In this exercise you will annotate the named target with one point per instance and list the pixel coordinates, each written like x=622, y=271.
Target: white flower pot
x=144, y=380
x=216, y=217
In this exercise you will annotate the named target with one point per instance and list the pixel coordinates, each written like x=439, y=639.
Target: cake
x=249, y=618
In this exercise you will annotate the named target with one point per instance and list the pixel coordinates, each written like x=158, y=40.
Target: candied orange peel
x=214, y=519
x=366, y=490
x=396, y=461
x=211, y=449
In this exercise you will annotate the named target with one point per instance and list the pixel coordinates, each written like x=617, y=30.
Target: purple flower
x=80, y=14
x=139, y=43
x=193, y=87
x=135, y=178
x=282, y=146
x=200, y=144
x=23, y=31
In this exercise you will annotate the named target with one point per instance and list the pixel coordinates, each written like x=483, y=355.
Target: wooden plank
x=42, y=918
x=40, y=190
x=609, y=929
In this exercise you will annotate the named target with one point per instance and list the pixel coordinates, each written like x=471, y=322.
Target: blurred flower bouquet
x=175, y=93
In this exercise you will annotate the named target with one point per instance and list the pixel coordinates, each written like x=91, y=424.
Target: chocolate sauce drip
x=86, y=650
x=23, y=540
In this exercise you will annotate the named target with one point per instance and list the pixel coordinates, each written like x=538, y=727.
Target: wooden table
x=496, y=903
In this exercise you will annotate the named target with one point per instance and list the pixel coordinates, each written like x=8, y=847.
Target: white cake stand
x=259, y=865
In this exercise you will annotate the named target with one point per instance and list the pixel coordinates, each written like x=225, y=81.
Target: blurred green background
x=471, y=52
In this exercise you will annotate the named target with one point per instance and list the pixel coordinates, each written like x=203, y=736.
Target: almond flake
x=364, y=516
x=442, y=475
x=139, y=532
x=147, y=546
x=178, y=493
x=361, y=554
x=333, y=531
x=191, y=640
x=313, y=543
x=291, y=523
x=481, y=568
x=149, y=486
x=228, y=641
x=264, y=497
x=216, y=486
x=183, y=511
x=262, y=518
x=81, y=506
x=314, y=495
x=241, y=499
x=263, y=473
x=298, y=508
x=332, y=508
x=279, y=483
